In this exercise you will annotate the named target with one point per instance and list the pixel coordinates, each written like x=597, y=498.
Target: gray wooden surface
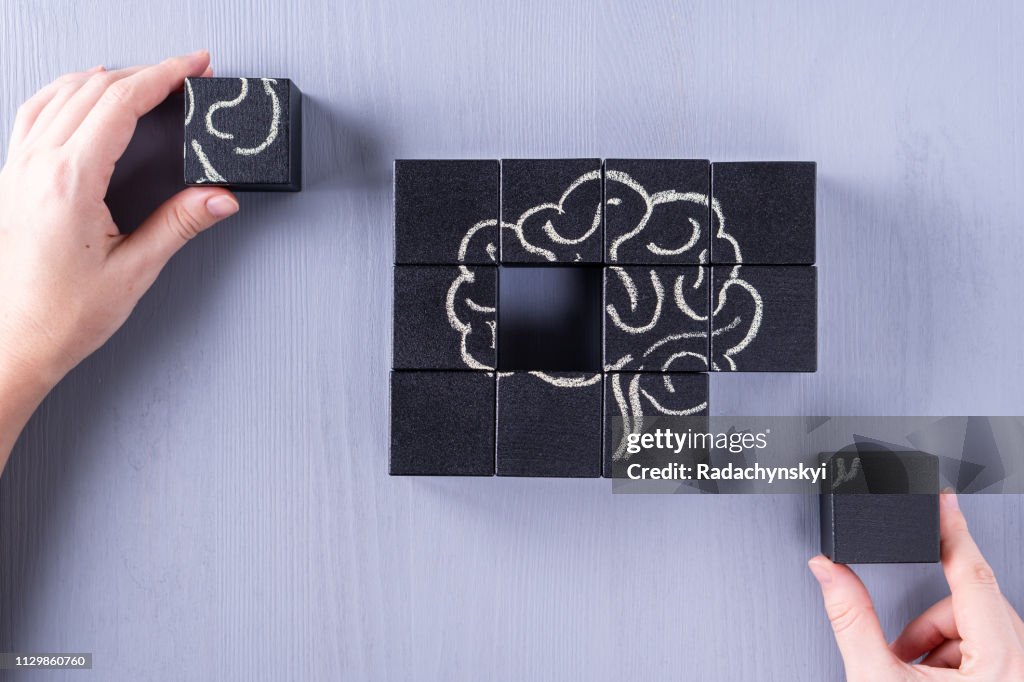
x=207, y=499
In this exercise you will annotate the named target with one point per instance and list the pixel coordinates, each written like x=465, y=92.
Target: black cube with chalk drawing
x=880, y=507
x=243, y=133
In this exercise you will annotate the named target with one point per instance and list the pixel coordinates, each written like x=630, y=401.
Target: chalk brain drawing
x=737, y=315
x=465, y=315
x=683, y=285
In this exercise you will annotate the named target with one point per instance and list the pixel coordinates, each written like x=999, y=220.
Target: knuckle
x=844, y=616
x=981, y=573
x=119, y=93
x=103, y=79
x=184, y=224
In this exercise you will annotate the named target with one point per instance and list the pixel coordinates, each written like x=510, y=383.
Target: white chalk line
x=275, y=120
x=650, y=202
x=211, y=173
x=755, y=322
x=464, y=244
x=684, y=307
x=632, y=413
x=568, y=382
x=674, y=337
x=627, y=283
x=681, y=354
x=464, y=328
x=549, y=228
x=659, y=292
x=191, y=99
x=619, y=364
x=225, y=104
x=473, y=305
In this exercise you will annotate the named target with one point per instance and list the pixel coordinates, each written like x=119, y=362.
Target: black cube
x=880, y=508
x=243, y=133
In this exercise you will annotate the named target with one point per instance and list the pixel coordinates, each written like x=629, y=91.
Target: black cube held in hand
x=243, y=133
x=880, y=508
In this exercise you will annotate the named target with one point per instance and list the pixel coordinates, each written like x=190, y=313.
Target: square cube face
x=549, y=318
x=640, y=403
x=551, y=211
x=243, y=133
x=765, y=318
x=656, y=318
x=442, y=423
x=549, y=424
x=657, y=211
x=446, y=212
x=444, y=317
x=768, y=209
x=881, y=507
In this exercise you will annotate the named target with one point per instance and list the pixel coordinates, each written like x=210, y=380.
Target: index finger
x=107, y=129
x=978, y=605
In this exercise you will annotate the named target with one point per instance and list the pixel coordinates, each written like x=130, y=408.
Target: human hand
x=973, y=634
x=68, y=277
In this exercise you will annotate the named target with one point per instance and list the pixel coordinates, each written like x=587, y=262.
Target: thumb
x=865, y=652
x=175, y=222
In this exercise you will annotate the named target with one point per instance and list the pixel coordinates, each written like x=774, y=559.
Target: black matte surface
x=442, y=423
x=530, y=183
x=437, y=203
x=769, y=209
x=677, y=341
x=679, y=393
x=546, y=430
x=233, y=161
x=549, y=318
x=424, y=337
x=786, y=339
x=667, y=212
x=881, y=508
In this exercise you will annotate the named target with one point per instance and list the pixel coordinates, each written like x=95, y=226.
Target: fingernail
x=822, y=572
x=949, y=500
x=95, y=69
x=199, y=53
x=221, y=206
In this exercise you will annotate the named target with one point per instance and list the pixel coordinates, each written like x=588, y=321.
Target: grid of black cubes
x=520, y=291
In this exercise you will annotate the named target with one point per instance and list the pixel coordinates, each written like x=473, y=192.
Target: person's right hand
x=973, y=634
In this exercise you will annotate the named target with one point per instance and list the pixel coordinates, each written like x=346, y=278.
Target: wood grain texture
x=207, y=497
